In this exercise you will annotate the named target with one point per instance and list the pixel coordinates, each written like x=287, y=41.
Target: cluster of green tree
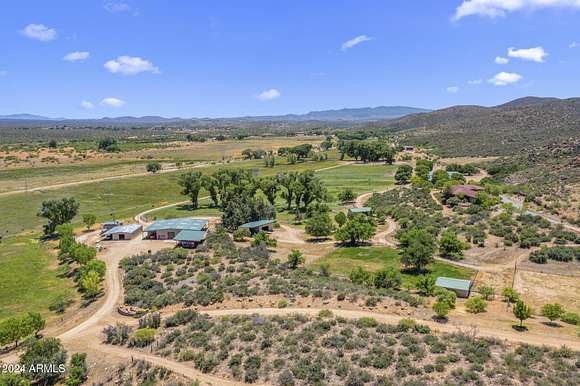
x=466, y=169
x=557, y=253
x=253, y=153
x=195, y=138
x=58, y=212
x=89, y=272
x=327, y=143
x=109, y=145
x=355, y=229
x=269, y=160
x=15, y=329
x=353, y=135
x=403, y=174
x=367, y=151
x=389, y=278
x=300, y=151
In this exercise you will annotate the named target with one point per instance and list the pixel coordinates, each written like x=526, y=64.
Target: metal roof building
x=260, y=225
x=460, y=286
x=363, y=210
x=189, y=238
x=123, y=232
x=168, y=229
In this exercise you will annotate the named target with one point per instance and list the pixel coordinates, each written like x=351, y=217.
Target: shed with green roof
x=460, y=286
x=259, y=226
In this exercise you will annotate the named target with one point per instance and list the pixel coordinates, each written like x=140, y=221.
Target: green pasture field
x=28, y=279
x=343, y=260
x=121, y=198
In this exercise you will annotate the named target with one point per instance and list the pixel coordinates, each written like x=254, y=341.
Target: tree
x=552, y=311
x=487, y=293
x=95, y=265
x=35, y=322
x=340, y=218
x=319, y=225
x=58, y=212
x=52, y=144
x=360, y=276
x=77, y=373
x=522, y=311
x=450, y=246
x=475, y=305
x=242, y=208
x=269, y=186
x=153, y=166
x=388, y=278
x=418, y=248
x=447, y=296
x=403, y=174
x=288, y=181
x=346, y=195
x=426, y=285
x=295, y=258
x=441, y=309
x=47, y=354
x=191, y=185
x=82, y=253
x=357, y=229
x=263, y=238
x=16, y=328
x=510, y=295
x=89, y=220
x=91, y=284
x=108, y=144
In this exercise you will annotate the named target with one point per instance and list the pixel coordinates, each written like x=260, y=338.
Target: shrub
x=118, y=334
x=388, y=278
x=142, y=337
x=282, y=303
x=441, y=308
x=426, y=285
x=447, y=296
x=510, y=295
x=552, y=311
x=475, y=305
x=571, y=318
x=241, y=234
x=487, y=293
x=325, y=314
x=407, y=324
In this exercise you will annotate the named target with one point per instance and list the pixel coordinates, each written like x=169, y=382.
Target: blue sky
x=221, y=58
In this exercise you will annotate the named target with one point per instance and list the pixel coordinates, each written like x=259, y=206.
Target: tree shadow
x=519, y=328
x=441, y=320
x=552, y=324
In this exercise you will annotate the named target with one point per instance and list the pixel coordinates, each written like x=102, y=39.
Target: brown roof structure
x=467, y=190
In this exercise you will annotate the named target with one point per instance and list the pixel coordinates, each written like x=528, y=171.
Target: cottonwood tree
x=357, y=229
x=319, y=225
x=269, y=186
x=191, y=183
x=58, y=212
x=346, y=195
x=403, y=174
x=450, y=246
x=418, y=247
x=47, y=353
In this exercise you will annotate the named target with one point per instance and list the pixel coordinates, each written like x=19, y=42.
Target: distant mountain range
x=347, y=114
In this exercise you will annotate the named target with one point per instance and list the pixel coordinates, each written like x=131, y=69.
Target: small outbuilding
x=364, y=210
x=259, y=226
x=190, y=239
x=168, y=229
x=460, y=286
x=469, y=191
x=123, y=232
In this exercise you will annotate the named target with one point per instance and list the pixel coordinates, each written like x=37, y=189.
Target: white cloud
x=39, y=32
x=452, y=89
x=536, y=54
x=475, y=82
x=354, y=41
x=76, y=56
x=117, y=6
x=505, y=78
x=499, y=8
x=87, y=105
x=500, y=60
x=268, y=95
x=130, y=65
x=112, y=102
x=574, y=45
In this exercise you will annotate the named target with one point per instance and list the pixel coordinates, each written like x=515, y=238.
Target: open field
x=121, y=198
x=343, y=260
x=28, y=278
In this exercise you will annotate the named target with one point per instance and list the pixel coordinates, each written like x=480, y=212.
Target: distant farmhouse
x=461, y=287
x=170, y=229
x=364, y=210
x=469, y=191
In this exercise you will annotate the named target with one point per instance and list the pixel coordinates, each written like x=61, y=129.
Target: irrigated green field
x=28, y=279
x=343, y=260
